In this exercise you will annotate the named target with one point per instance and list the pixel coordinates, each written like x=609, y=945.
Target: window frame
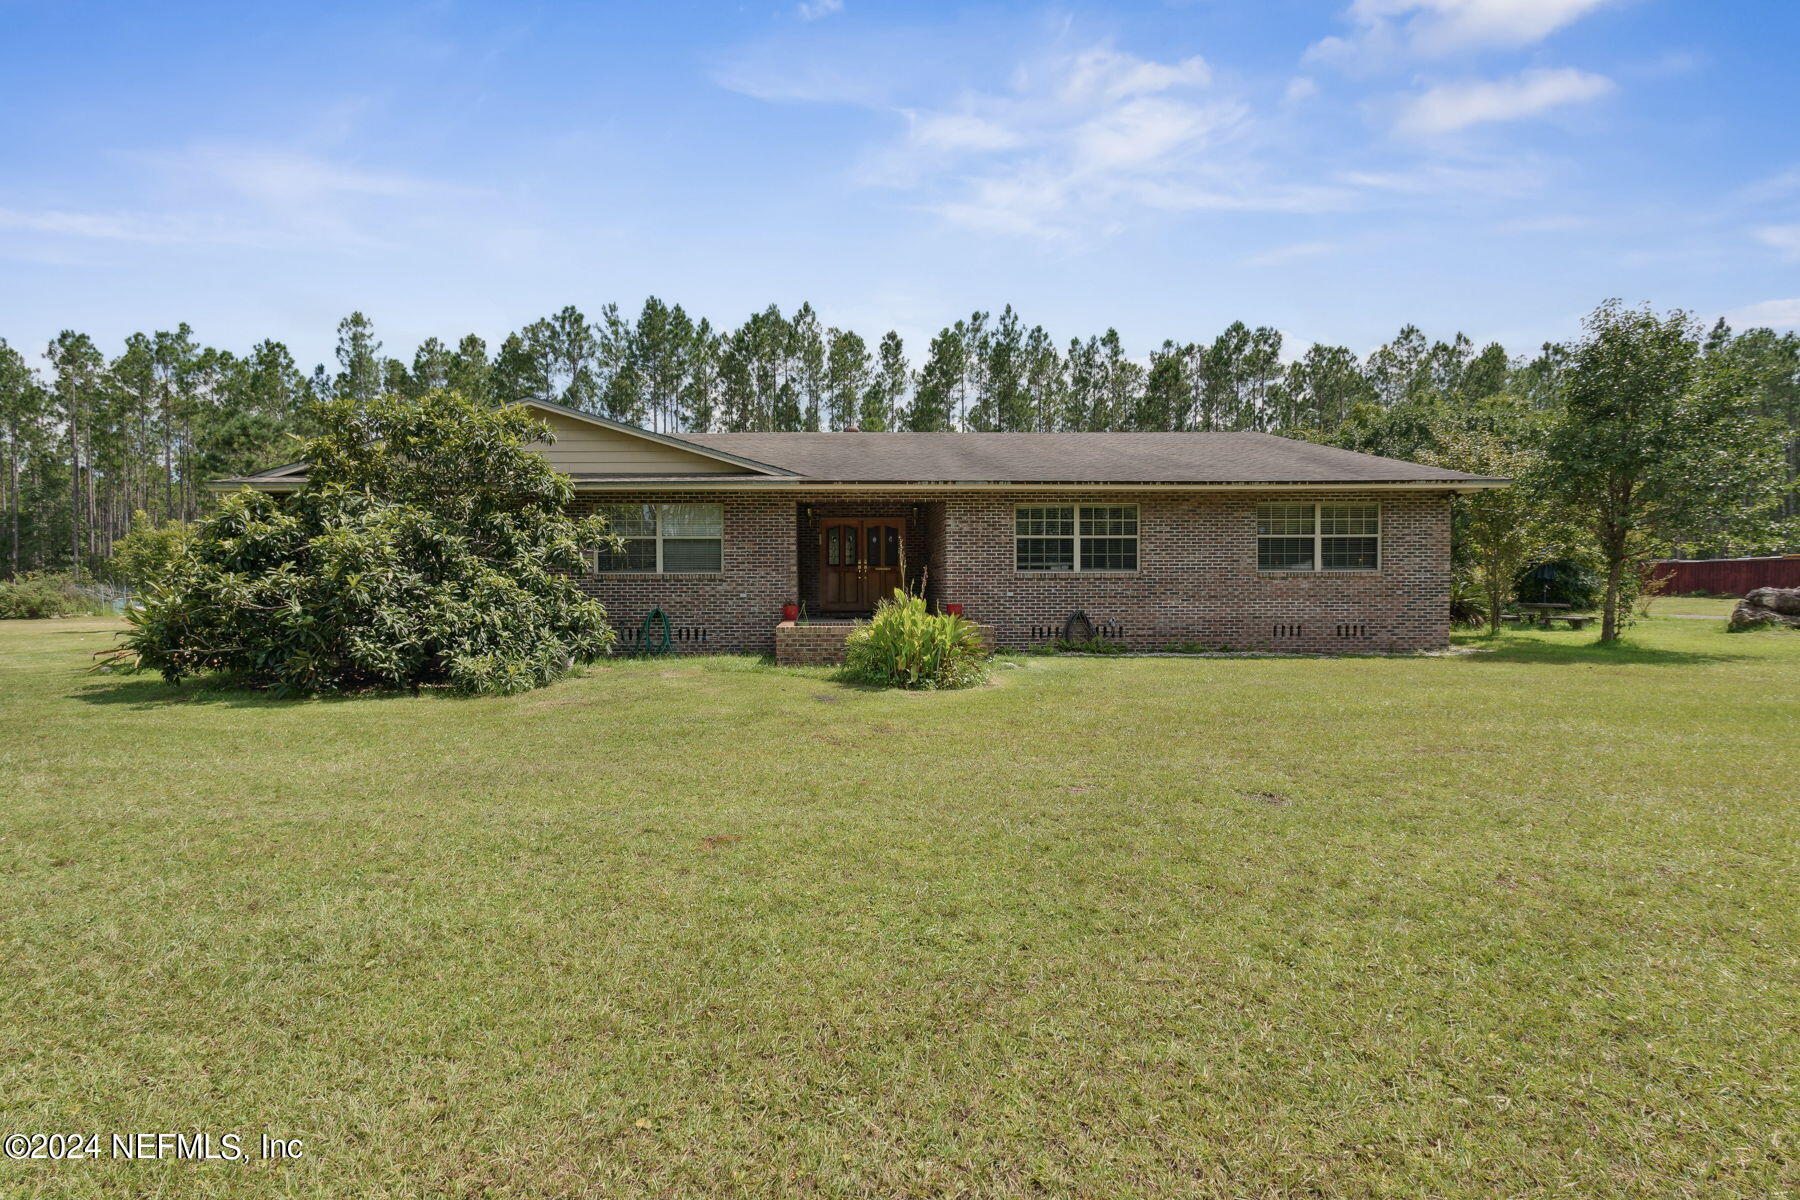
x=1075, y=537
x=657, y=538
x=1318, y=537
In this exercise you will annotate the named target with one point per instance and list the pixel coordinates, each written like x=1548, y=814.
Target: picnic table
x=1546, y=613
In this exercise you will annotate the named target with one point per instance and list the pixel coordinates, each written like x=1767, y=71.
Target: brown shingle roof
x=1067, y=458
x=1012, y=458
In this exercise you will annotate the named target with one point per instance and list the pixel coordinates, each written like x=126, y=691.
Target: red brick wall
x=1197, y=579
x=733, y=611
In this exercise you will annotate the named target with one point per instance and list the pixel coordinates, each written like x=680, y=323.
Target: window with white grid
x=1318, y=537
x=664, y=539
x=1075, y=537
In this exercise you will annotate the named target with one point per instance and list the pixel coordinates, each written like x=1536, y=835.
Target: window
x=1318, y=537
x=1075, y=537
x=664, y=539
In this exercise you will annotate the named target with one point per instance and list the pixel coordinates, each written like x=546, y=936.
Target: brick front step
x=819, y=645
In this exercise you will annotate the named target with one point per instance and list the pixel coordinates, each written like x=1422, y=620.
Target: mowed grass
x=1514, y=923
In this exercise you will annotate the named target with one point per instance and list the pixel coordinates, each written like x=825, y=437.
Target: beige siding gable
x=583, y=448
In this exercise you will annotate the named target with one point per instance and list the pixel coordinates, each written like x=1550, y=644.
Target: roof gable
x=586, y=444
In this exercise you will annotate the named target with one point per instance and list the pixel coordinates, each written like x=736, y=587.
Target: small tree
x=146, y=554
x=429, y=546
x=1503, y=529
x=1653, y=441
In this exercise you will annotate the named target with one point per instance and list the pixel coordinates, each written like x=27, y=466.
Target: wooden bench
x=1574, y=622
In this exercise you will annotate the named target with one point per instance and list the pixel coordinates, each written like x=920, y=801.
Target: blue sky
x=1330, y=167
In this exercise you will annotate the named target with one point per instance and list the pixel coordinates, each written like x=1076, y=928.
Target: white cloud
x=1785, y=238
x=248, y=196
x=1300, y=89
x=812, y=10
x=1773, y=314
x=1453, y=106
x=1388, y=29
x=1076, y=141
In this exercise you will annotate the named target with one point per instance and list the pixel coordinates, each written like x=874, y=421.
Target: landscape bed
x=1518, y=922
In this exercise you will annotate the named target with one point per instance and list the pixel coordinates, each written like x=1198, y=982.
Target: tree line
x=90, y=439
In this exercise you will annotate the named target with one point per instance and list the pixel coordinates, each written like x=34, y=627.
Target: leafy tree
x=1501, y=531
x=429, y=547
x=1654, y=441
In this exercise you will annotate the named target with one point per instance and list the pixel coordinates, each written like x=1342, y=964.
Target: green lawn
x=1513, y=923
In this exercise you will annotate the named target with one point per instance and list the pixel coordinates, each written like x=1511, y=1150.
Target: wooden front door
x=861, y=560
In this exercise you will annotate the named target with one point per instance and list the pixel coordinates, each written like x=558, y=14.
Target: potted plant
x=790, y=611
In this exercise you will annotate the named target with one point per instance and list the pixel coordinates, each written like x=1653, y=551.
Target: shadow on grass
x=151, y=692
x=1625, y=653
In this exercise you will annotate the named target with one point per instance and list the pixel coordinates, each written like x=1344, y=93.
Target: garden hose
x=661, y=647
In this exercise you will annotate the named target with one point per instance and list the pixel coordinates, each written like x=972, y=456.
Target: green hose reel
x=645, y=646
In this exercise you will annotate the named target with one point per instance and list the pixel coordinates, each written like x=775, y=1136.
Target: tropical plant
x=905, y=645
x=429, y=547
x=1468, y=604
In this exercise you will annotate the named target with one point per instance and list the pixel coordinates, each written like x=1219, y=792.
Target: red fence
x=1726, y=576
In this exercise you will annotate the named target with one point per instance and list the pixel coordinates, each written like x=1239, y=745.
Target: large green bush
x=906, y=646
x=429, y=547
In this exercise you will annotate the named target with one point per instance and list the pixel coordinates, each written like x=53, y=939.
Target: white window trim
x=1318, y=540
x=1077, y=569
x=657, y=538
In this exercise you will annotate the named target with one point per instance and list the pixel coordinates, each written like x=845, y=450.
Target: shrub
x=904, y=645
x=429, y=547
x=1094, y=645
x=145, y=554
x=45, y=594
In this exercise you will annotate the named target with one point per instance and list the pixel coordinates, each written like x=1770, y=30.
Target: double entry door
x=861, y=560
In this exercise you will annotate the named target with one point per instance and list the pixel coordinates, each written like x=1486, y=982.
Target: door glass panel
x=893, y=546
x=831, y=546
x=874, y=558
x=849, y=545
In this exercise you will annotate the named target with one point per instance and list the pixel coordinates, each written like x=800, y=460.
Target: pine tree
x=361, y=373
x=885, y=400
x=848, y=376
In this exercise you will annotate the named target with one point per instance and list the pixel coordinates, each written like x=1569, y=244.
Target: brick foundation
x=1197, y=580
x=814, y=645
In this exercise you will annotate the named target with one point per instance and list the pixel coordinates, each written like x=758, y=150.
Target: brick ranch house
x=1241, y=540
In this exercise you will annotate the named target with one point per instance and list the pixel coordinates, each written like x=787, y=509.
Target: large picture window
x=1075, y=537
x=1318, y=537
x=664, y=539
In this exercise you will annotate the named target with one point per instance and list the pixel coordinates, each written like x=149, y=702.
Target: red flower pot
x=790, y=612
x=954, y=610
